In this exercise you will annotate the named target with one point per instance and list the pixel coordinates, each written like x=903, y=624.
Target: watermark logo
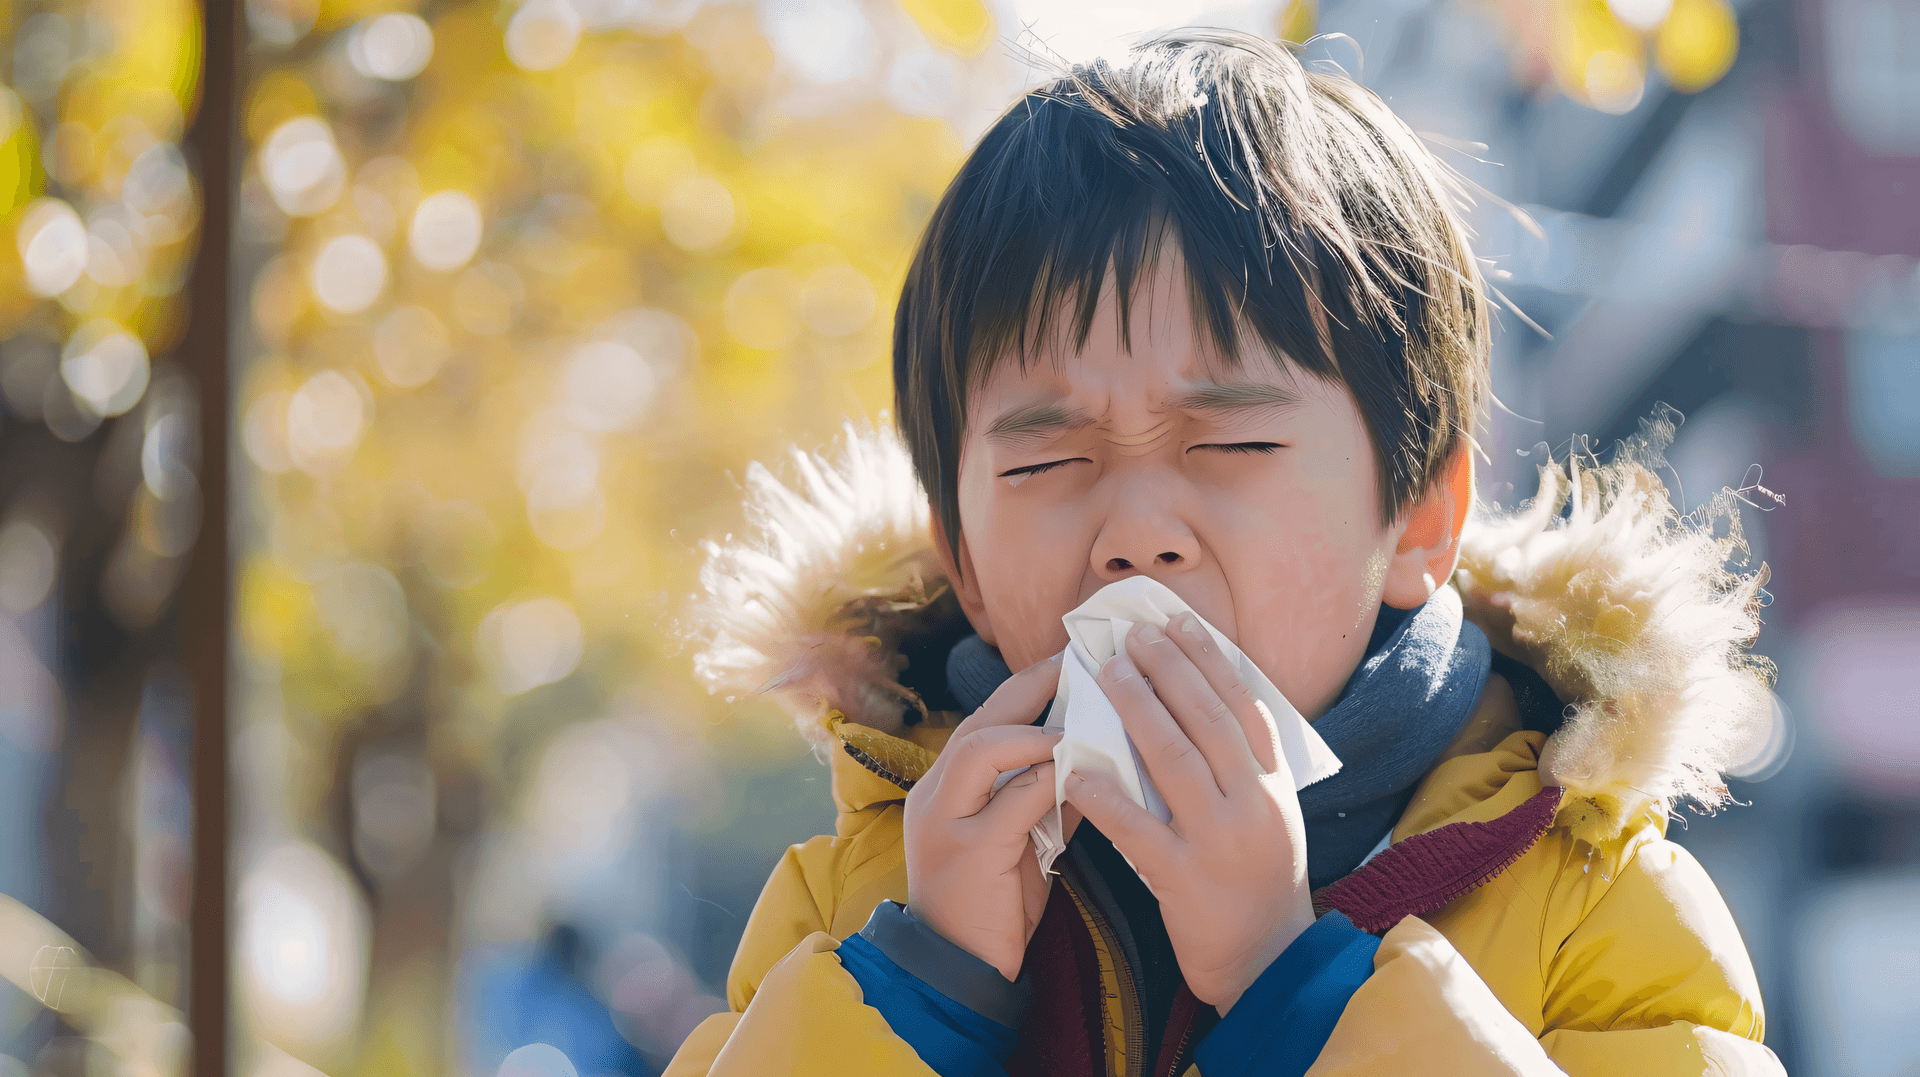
x=48, y=973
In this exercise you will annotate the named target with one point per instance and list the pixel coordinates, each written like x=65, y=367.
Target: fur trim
x=1627, y=609
x=811, y=605
x=1624, y=606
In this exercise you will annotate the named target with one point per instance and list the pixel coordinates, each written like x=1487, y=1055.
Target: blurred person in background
x=1512, y=744
x=544, y=998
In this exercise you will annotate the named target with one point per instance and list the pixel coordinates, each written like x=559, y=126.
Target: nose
x=1144, y=534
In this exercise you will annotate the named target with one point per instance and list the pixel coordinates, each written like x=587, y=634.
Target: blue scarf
x=1410, y=695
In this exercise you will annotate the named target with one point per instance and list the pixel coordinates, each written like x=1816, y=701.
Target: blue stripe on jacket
x=1286, y=1016
x=951, y=1039
x=1276, y=1029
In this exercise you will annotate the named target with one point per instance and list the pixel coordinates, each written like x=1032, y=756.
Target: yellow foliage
x=1697, y=43
x=273, y=608
x=16, y=302
x=1296, y=20
x=334, y=14
x=274, y=99
x=20, y=176
x=1596, y=59
x=965, y=26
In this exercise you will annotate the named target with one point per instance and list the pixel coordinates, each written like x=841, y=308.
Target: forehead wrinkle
x=1143, y=442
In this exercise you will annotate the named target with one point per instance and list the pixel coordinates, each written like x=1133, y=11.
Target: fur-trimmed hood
x=1625, y=607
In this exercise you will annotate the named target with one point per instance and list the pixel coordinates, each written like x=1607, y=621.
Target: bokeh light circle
x=300, y=945
x=158, y=182
x=53, y=246
x=1614, y=81
x=530, y=643
x=1642, y=15
x=105, y=367
x=542, y=34
x=1697, y=43
x=364, y=610
x=325, y=419
x=116, y=246
x=537, y=1060
x=28, y=563
x=697, y=213
x=264, y=432
x=559, y=465
x=394, y=46
x=349, y=273
x=446, y=231
x=303, y=167
x=606, y=386
x=410, y=345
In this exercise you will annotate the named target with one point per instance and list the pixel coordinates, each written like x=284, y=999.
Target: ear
x=1430, y=545
x=963, y=579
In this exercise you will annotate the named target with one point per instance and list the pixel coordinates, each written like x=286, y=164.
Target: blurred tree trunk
x=205, y=602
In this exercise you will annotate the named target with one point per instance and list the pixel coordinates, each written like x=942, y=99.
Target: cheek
x=1030, y=565
x=1309, y=604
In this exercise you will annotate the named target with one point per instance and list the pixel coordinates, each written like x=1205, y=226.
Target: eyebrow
x=1038, y=422
x=1237, y=398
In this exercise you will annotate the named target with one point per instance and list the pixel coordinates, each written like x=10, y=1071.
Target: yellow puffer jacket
x=1604, y=949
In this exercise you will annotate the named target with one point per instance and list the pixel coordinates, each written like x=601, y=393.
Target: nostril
x=1118, y=564
x=1168, y=558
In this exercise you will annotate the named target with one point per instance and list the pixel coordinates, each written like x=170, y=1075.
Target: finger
x=1173, y=762
x=1204, y=716
x=1256, y=722
x=1017, y=702
x=1146, y=842
x=979, y=758
x=1019, y=805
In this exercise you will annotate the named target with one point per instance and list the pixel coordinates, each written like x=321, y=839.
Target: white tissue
x=1096, y=742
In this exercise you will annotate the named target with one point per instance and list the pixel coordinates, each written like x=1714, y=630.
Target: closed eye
x=1036, y=469
x=1245, y=447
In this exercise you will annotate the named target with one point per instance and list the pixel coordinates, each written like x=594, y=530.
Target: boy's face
x=1249, y=492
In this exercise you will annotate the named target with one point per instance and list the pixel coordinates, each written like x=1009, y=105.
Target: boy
x=1211, y=320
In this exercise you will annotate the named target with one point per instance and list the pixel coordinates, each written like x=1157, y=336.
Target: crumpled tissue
x=1096, y=742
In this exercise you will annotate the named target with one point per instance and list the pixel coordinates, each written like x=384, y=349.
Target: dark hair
x=1285, y=189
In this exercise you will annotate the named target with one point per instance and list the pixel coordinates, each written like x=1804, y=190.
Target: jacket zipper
x=1133, y=1021
x=878, y=767
x=1180, y=1051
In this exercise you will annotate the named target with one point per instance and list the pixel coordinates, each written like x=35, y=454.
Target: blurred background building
x=433, y=334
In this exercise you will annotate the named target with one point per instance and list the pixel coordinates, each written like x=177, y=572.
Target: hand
x=1230, y=871
x=971, y=870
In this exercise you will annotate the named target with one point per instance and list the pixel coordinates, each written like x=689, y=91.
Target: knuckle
x=979, y=742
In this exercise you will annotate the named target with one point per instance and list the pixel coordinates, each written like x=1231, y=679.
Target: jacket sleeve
x=1652, y=981
x=1280, y=1023
x=792, y=1007
x=1656, y=979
